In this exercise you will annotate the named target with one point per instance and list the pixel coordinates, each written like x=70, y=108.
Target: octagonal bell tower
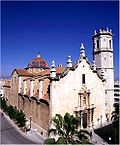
x=103, y=57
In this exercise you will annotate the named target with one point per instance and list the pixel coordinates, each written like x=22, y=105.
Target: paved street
x=11, y=135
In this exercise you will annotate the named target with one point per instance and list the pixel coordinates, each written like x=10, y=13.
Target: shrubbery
x=13, y=113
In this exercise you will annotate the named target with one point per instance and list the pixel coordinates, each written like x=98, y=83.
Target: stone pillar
x=89, y=118
x=79, y=99
x=82, y=51
x=92, y=116
x=81, y=119
x=19, y=90
x=88, y=99
x=82, y=97
x=19, y=84
x=52, y=99
x=40, y=88
x=24, y=87
x=31, y=88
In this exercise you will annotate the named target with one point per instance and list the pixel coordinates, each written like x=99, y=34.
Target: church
x=82, y=89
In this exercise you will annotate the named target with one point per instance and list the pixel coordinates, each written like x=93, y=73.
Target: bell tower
x=103, y=57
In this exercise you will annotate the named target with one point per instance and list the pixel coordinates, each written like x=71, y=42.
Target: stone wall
x=39, y=112
x=65, y=92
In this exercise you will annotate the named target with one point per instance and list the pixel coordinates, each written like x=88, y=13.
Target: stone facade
x=82, y=89
x=79, y=96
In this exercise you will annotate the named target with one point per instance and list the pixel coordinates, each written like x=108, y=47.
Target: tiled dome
x=38, y=62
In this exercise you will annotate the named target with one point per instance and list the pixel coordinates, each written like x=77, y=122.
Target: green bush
x=10, y=111
x=20, y=118
x=3, y=104
x=13, y=113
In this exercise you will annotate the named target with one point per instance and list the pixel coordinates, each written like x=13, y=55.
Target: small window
x=83, y=78
x=97, y=43
x=110, y=43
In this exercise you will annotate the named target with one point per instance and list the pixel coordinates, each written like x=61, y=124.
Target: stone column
x=81, y=119
x=52, y=99
x=20, y=85
x=82, y=97
x=92, y=116
x=40, y=88
x=89, y=118
x=19, y=90
x=79, y=100
x=88, y=97
x=31, y=88
x=25, y=87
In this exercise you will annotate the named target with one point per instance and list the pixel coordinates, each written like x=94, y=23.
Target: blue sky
x=55, y=29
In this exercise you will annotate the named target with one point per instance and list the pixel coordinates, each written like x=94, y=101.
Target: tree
x=3, y=104
x=11, y=111
x=115, y=121
x=21, y=120
x=66, y=128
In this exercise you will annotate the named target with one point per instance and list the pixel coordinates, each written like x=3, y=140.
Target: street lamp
x=30, y=121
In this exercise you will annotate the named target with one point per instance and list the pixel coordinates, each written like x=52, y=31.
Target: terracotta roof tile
x=59, y=70
x=38, y=62
x=44, y=72
x=23, y=72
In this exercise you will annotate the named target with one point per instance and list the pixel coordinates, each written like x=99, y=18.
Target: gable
x=84, y=64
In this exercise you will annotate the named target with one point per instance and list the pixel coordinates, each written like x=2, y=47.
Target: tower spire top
x=82, y=51
x=69, y=62
x=53, y=70
x=38, y=56
x=95, y=32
